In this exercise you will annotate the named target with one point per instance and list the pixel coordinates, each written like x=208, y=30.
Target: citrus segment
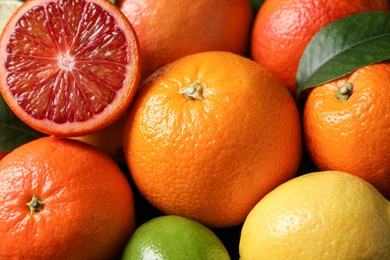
x=70, y=66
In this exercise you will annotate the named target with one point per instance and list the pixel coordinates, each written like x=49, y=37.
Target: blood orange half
x=69, y=67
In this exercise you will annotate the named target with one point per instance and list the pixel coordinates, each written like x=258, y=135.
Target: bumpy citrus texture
x=168, y=30
x=352, y=136
x=209, y=135
x=84, y=204
x=321, y=215
x=283, y=28
x=69, y=67
x=174, y=237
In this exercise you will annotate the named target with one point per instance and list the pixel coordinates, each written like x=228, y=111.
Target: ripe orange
x=283, y=28
x=83, y=202
x=352, y=136
x=209, y=135
x=168, y=30
x=69, y=67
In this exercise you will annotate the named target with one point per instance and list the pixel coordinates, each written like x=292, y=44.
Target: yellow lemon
x=7, y=8
x=321, y=215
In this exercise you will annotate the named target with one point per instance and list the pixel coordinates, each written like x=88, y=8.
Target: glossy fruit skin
x=283, y=28
x=352, y=136
x=319, y=215
x=174, y=237
x=88, y=211
x=212, y=160
x=69, y=68
x=168, y=30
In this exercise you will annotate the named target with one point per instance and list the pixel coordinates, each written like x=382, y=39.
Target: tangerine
x=63, y=199
x=346, y=125
x=209, y=135
x=168, y=30
x=283, y=28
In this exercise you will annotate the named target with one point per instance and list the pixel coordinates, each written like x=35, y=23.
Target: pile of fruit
x=208, y=129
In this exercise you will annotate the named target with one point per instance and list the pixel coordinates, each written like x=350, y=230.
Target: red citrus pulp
x=69, y=67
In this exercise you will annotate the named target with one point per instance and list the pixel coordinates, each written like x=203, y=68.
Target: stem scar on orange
x=69, y=67
x=209, y=135
x=57, y=206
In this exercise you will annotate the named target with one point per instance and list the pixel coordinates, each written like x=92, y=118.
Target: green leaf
x=13, y=132
x=256, y=4
x=344, y=46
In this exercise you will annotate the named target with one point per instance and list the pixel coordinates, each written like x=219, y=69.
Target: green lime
x=7, y=8
x=174, y=237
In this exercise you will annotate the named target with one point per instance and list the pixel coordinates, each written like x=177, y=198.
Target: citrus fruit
x=209, y=135
x=69, y=67
x=2, y=154
x=283, y=28
x=63, y=199
x=109, y=139
x=174, y=237
x=168, y=30
x=7, y=8
x=348, y=132
x=319, y=215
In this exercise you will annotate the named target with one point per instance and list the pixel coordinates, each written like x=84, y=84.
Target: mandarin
x=63, y=199
x=68, y=67
x=168, y=30
x=346, y=125
x=283, y=28
x=209, y=135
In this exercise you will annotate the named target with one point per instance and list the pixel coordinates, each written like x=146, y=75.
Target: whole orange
x=209, y=135
x=349, y=132
x=283, y=28
x=168, y=30
x=63, y=199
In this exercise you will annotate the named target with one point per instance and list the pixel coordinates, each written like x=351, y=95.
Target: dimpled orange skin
x=212, y=160
x=352, y=136
x=283, y=28
x=88, y=211
x=168, y=30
